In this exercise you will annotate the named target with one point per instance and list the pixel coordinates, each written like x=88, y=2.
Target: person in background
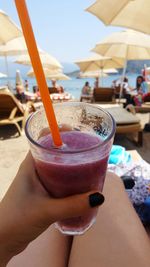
x=142, y=90
x=36, y=93
x=125, y=84
x=59, y=88
x=122, y=86
x=141, y=85
x=20, y=93
x=127, y=92
x=87, y=92
x=116, y=83
x=26, y=85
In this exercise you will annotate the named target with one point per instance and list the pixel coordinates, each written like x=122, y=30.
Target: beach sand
x=13, y=150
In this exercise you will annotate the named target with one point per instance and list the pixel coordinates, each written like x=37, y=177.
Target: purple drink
x=80, y=165
x=64, y=177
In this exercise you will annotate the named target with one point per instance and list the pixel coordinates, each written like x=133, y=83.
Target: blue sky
x=62, y=27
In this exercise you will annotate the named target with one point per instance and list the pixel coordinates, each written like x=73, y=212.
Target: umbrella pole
x=145, y=72
x=102, y=76
x=97, y=82
x=123, y=75
x=7, y=71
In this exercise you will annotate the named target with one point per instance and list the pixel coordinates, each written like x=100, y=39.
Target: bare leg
x=118, y=239
x=51, y=249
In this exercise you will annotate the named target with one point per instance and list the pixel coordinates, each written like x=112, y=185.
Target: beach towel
x=139, y=194
x=118, y=155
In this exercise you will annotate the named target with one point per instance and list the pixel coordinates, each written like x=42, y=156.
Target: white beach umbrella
x=99, y=62
x=97, y=73
x=124, y=13
x=8, y=29
x=92, y=74
x=47, y=71
x=47, y=60
x=50, y=74
x=58, y=76
x=14, y=47
x=110, y=71
x=127, y=44
x=2, y=75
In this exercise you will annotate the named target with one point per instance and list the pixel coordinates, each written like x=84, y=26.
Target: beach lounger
x=86, y=98
x=104, y=95
x=53, y=90
x=60, y=97
x=12, y=111
x=4, y=87
x=126, y=122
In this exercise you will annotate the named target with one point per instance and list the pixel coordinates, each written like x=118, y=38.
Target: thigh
x=50, y=249
x=118, y=239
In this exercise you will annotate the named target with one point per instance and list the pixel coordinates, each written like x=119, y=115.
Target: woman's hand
x=27, y=210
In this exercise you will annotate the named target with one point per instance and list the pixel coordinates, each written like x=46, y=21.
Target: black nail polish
x=96, y=199
x=129, y=183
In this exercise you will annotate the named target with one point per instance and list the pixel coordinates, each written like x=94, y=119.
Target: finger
x=77, y=205
x=30, y=177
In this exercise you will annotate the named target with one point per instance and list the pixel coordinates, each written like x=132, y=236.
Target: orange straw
x=38, y=70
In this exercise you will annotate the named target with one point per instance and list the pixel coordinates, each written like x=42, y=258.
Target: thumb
x=73, y=206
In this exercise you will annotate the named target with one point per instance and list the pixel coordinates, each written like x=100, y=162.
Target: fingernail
x=96, y=199
x=129, y=183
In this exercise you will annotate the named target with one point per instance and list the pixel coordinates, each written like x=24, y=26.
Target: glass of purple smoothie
x=80, y=165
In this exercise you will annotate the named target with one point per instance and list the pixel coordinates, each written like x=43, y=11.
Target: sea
x=74, y=85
